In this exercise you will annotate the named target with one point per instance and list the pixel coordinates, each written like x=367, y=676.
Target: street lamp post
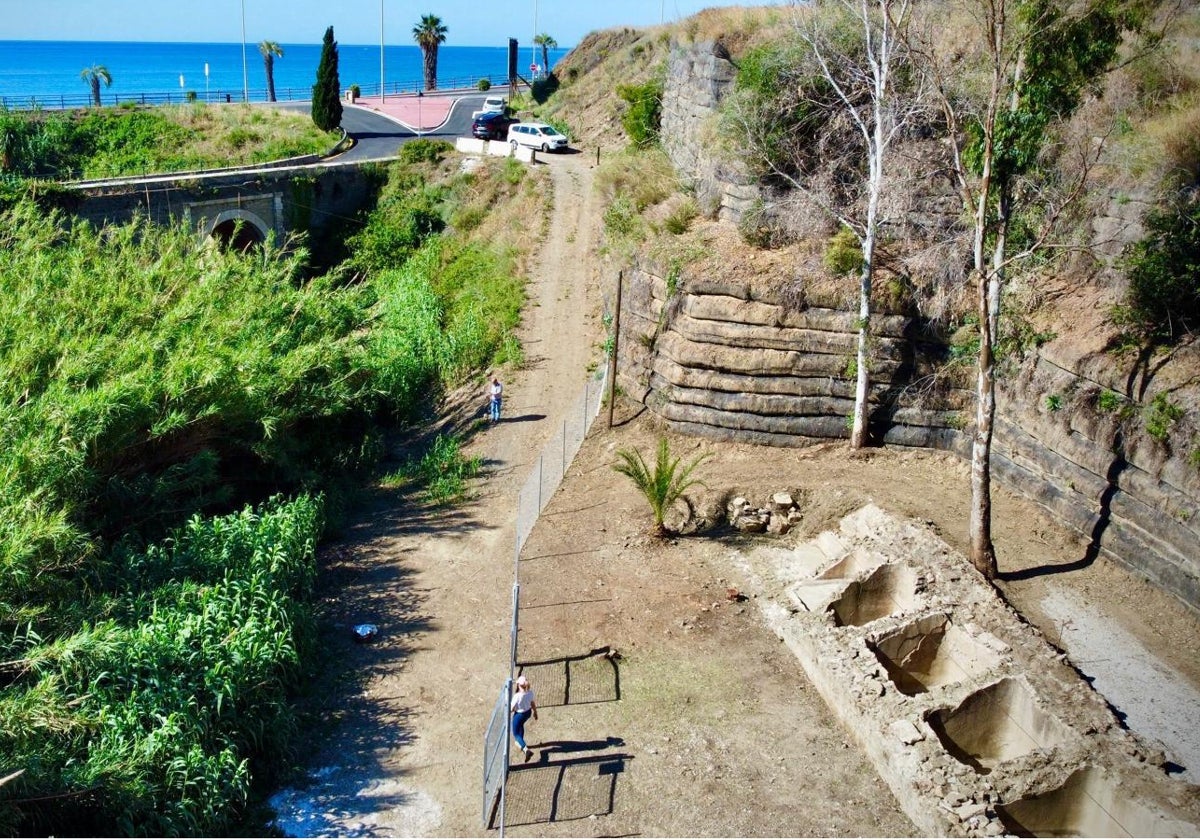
x=382, y=83
x=533, y=43
x=245, y=77
x=207, y=99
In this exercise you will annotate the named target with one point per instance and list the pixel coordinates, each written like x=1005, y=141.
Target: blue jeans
x=495, y=409
x=518, y=726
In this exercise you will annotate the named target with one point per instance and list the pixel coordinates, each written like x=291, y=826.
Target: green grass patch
x=134, y=141
x=442, y=473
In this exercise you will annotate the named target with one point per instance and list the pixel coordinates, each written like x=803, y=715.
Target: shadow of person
x=549, y=749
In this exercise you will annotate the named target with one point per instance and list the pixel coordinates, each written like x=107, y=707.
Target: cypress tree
x=326, y=98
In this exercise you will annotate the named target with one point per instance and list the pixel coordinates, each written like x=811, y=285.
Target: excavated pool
x=930, y=653
x=977, y=724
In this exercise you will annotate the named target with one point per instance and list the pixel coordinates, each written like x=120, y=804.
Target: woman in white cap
x=523, y=707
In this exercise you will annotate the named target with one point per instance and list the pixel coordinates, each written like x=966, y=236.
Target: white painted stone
x=469, y=145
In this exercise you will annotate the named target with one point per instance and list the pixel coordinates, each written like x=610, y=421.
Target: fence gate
x=495, y=757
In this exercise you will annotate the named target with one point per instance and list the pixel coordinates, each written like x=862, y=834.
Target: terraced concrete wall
x=731, y=362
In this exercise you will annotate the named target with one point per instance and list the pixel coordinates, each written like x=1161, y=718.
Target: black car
x=492, y=126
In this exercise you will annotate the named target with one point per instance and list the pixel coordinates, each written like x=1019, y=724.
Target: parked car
x=492, y=105
x=491, y=126
x=536, y=136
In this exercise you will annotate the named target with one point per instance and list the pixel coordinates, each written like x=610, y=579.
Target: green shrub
x=1163, y=301
x=1109, y=401
x=643, y=118
x=484, y=84
x=173, y=699
x=678, y=220
x=441, y=473
x=843, y=253
x=758, y=227
x=424, y=150
x=621, y=218
x=1161, y=415
x=1053, y=402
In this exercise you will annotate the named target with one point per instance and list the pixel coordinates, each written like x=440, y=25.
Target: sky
x=470, y=22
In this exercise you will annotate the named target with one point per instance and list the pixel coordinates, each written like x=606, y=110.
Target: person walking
x=495, y=390
x=523, y=706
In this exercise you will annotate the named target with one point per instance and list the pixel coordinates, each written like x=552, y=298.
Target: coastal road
x=378, y=137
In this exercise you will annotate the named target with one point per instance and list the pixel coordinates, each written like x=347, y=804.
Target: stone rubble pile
x=778, y=517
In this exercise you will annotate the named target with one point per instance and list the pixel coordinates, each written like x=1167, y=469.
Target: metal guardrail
x=282, y=94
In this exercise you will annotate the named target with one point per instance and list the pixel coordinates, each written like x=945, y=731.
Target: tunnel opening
x=238, y=234
x=930, y=653
x=996, y=724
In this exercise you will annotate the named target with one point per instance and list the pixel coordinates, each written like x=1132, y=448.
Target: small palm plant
x=662, y=486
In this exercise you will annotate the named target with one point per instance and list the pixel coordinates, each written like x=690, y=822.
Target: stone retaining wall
x=731, y=362
x=698, y=76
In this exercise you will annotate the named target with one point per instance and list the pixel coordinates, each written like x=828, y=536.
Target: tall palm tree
x=269, y=50
x=428, y=34
x=547, y=43
x=94, y=75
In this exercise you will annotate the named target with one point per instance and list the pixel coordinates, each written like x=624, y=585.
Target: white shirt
x=497, y=388
x=523, y=700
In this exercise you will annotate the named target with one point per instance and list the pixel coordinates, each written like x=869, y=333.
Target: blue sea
x=48, y=71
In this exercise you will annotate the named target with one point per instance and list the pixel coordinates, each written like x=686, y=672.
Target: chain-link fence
x=495, y=755
x=544, y=479
x=551, y=465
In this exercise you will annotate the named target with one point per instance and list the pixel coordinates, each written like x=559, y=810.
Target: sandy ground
x=704, y=724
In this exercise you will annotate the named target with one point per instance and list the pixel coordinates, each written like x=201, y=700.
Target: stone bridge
x=239, y=208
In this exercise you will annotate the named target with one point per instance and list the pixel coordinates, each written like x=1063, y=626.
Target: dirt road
x=405, y=755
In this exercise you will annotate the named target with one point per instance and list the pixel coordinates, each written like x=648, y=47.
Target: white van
x=536, y=136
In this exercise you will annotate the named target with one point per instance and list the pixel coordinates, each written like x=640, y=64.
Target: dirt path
x=405, y=755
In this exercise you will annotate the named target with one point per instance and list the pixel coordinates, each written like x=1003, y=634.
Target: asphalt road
x=378, y=137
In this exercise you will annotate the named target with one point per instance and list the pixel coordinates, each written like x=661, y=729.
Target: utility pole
x=382, y=83
x=245, y=76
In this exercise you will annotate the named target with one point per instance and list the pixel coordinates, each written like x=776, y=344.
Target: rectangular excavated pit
x=888, y=590
x=1089, y=804
x=996, y=724
x=930, y=653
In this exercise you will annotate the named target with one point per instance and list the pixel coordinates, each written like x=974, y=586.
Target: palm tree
x=547, y=43
x=428, y=34
x=663, y=485
x=94, y=75
x=269, y=50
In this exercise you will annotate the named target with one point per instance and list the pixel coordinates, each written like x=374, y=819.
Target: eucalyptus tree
x=94, y=75
x=831, y=103
x=430, y=33
x=1036, y=59
x=269, y=50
